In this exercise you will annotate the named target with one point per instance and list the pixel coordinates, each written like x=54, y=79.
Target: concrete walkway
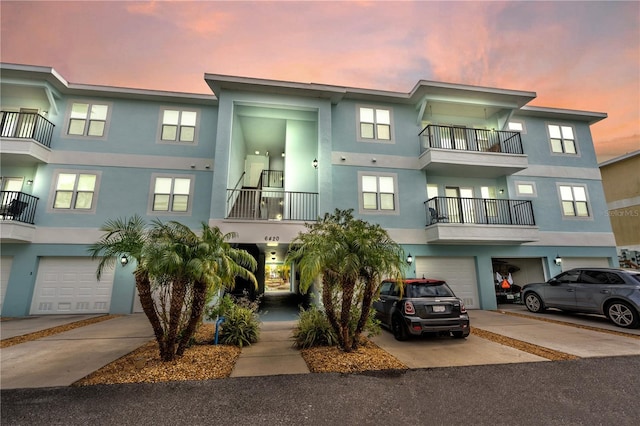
x=273, y=354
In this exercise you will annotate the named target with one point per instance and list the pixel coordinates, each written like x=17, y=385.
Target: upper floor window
x=516, y=126
x=88, y=119
x=172, y=194
x=75, y=191
x=562, y=139
x=178, y=125
x=374, y=124
x=574, y=201
x=526, y=189
x=378, y=193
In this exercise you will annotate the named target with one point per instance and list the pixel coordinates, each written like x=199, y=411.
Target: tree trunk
x=367, y=300
x=178, y=293
x=348, y=287
x=197, y=308
x=148, y=306
x=328, y=284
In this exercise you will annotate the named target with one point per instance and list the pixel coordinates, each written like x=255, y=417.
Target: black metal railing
x=26, y=125
x=482, y=211
x=257, y=204
x=272, y=179
x=468, y=139
x=18, y=206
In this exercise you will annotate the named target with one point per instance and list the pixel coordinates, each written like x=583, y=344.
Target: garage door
x=583, y=262
x=68, y=285
x=458, y=272
x=5, y=270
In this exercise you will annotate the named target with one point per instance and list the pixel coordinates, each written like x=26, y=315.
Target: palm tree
x=180, y=267
x=352, y=256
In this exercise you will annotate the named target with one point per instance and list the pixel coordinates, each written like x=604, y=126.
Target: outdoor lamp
x=124, y=260
x=315, y=163
x=558, y=260
x=409, y=259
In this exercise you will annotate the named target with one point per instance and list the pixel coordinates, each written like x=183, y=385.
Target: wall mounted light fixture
x=124, y=260
x=30, y=182
x=315, y=163
x=558, y=260
x=409, y=259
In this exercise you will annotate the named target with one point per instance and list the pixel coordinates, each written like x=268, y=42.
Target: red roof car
x=417, y=306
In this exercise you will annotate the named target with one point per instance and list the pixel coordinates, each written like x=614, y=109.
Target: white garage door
x=458, y=272
x=68, y=285
x=5, y=270
x=582, y=262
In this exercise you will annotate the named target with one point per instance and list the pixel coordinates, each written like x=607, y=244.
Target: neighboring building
x=469, y=180
x=621, y=183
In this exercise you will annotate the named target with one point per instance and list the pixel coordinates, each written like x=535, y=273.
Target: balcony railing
x=258, y=204
x=271, y=179
x=480, y=211
x=26, y=125
x=468, y=139
x=18, y=206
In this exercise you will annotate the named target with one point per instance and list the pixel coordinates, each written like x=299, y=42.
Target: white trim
x=67, y=117
x=517, y=184
x=624, y=203
x=77, y=158
x=196, y=131
x=375, y=139
x=590, y=215
x=378, y=211
x=564, y=172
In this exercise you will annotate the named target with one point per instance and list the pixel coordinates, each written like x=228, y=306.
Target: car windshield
x=428, y=290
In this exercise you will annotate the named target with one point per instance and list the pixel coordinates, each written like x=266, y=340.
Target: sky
x=573, y=55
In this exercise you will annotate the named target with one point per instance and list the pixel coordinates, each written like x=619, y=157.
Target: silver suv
x=612, y=292
x=421, y=306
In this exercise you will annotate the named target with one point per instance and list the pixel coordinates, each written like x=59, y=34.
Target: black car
x=613, y=292
x=421, y=306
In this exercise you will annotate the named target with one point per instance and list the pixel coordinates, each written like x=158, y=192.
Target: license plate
x=509, y=296
x=438, y=308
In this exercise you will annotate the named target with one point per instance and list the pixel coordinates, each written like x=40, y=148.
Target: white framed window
x=562, y=139
x=171, y=194
x=378, y=193
x=526, y=189
x=88, y=119
x=516, y=126
x=574, y=200
x=74, y=191
x=374, y=124
x=178, y=125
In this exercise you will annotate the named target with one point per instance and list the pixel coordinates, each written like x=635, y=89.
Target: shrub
x=240, y=327
x=314, y=330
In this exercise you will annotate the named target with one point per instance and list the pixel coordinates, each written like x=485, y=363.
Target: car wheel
x=459, y=334
x=399, y=329
x=622, y=314
x=533, y=303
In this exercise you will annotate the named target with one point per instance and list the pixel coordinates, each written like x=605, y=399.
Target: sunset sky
x=575, y=55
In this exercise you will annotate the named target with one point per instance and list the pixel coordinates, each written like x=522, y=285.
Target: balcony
x=452, y=220
x=467, y=152
x=26, y=137
x=261, y=204
x=17, y=214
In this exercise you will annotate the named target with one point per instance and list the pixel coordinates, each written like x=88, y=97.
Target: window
x=88, y=119
x=377, y=193
x=178, y=125
x=172, y=194
x=574, y=201
x=562, y=139
x=374, y=124
x=75, y=191
x=526, y=189
x=516, y=126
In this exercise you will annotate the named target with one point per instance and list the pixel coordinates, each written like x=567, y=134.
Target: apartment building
x=471, y=181
x=621, y=183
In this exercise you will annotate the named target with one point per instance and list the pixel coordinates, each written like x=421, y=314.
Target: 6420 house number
x=271, y=238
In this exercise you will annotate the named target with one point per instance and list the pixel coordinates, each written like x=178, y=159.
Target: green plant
x=240, y=327
x=314, y=329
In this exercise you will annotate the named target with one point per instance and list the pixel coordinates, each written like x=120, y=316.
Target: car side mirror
x=553, y=281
